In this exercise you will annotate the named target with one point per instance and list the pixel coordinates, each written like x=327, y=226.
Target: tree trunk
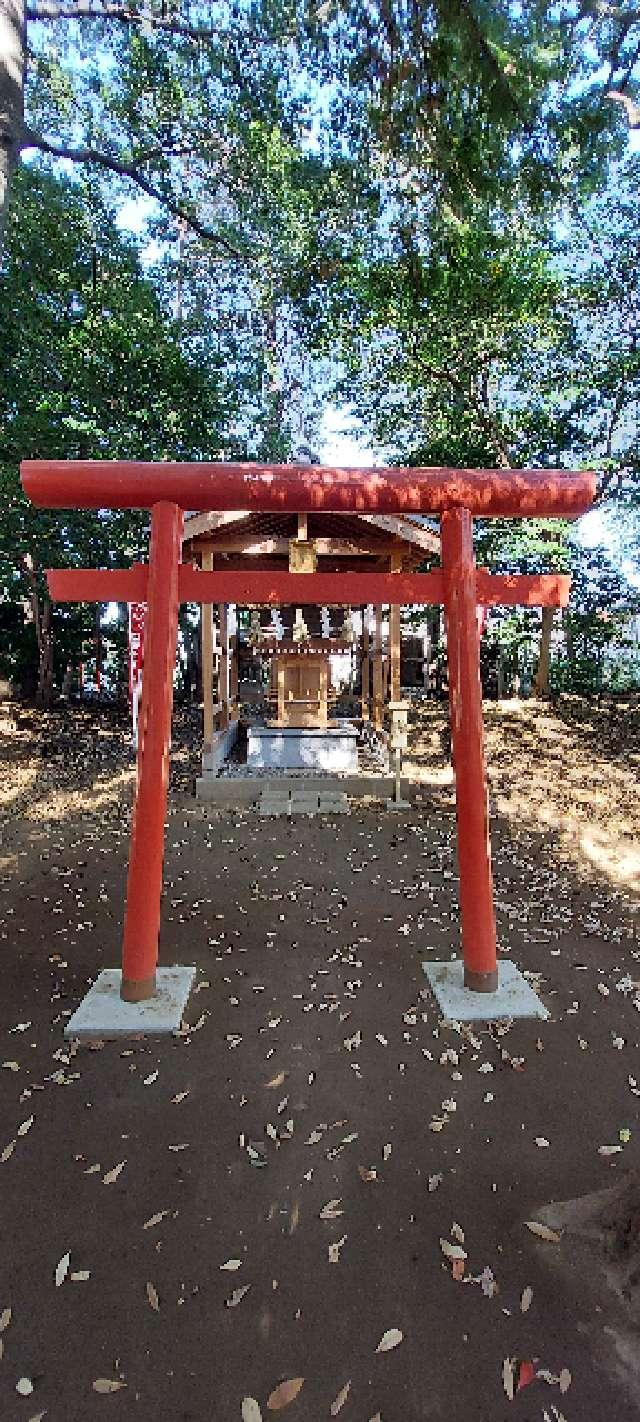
x=13, y=50
x=41, y=611
x=541, y=678
x=44, y=690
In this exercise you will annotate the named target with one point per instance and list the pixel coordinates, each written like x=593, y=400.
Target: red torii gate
x=168, y=489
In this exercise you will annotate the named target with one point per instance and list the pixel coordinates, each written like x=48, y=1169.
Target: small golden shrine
x=300, y=689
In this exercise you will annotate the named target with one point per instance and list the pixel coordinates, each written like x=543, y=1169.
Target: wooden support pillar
x=394, y=635
x=233, y=674
x=378, y=685
x=206, y=637
x=365, y=673
x=465, y=701
x=144, y=882
x=223, y=667
x=426, y=658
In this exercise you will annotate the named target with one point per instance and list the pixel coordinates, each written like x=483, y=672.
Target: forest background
x=224, y=223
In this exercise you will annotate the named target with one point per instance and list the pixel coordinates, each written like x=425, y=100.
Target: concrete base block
x=334, y=805
x=237, y=792
x=398, y=804
x=304, y=804
x=273, y=807
x=102, y=1013
x=514, y=996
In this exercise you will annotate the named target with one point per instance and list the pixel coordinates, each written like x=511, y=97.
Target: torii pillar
x=477, y=986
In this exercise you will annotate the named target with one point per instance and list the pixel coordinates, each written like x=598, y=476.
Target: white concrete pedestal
x=514, y=996
x=330, y=748
x=102, y=1013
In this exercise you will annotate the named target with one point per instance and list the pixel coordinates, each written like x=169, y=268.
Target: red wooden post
x=465, y=699
x=144, y=884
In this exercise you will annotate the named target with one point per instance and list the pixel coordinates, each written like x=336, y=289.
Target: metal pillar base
x=104, y=1014
x=513, y=997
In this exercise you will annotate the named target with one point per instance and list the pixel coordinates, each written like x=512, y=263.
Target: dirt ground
x=165, y=1230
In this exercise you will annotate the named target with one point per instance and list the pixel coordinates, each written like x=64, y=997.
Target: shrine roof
x=269, y=533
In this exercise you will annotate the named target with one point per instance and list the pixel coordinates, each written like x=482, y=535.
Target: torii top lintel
x=303, y=488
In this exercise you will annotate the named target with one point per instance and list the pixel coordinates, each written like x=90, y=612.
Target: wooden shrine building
x=298, y=643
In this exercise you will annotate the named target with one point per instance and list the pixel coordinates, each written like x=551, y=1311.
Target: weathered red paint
x=281, y=588
x=488, y=493
x=465, y=699
x=455, y=494
x=144, y=884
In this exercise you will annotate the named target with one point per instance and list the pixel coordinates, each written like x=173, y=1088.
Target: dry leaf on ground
x=339, y=1401
x=155, y=1219
x=112, y=1175
x=152, y=1295
x=525, y=1299
x=251, y=1410
x=452, y=1251
x=108, y=1385
x=543, y=1231
x=285, y=1393
x=389, y=1340
x=62, y=1269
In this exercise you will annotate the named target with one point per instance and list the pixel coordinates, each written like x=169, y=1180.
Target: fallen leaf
x=24, y=1386
x=149, y=1080
x=525, y=1299
x=526, y=1374
x=542, y=1142
x=155, y=1219
x=452, y=1251
x=366, y=1174
x=108, y=1385
x=5, y=1319
x=112, y=1175
x=26, y=1126
x=251, y=1410
x=509, y=1377
x=8, y=1150
x=386, y=1152
x=334, y=1249
x=62, y=1269
x=565, y=1380
x=339, y=1401
x=285, y=1393
x=330, y=1211
x=80, y=1276
x=231, y=1265
x=277, y=1080
x=543, y=1231
x=237, y=1295
x=609, y=1149
x=389, y=1340
x=153, y=1298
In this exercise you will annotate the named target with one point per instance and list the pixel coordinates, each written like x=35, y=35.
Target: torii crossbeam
x=456, y=495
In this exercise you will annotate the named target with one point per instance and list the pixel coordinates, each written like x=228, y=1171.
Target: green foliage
x=90, y=366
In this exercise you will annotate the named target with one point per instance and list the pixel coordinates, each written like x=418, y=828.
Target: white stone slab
x=102, y=1013
x=333, y=748
x=514, y=997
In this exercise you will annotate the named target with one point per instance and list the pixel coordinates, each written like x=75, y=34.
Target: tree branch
x=91, y=157
x=486, y=419
x=84, y=10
